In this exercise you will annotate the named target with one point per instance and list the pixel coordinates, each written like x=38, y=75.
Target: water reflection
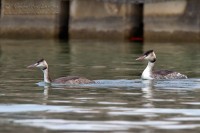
x=119, y=102
x=148, y=92
x=46, y=93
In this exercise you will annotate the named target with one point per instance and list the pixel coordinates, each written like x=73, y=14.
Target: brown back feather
x=72, y=80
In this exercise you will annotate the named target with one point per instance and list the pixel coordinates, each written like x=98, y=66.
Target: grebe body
x=149, y=73
x=72, y=80
x=42, y=64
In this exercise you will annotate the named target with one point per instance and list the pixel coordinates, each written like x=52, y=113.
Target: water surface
x=120, y=102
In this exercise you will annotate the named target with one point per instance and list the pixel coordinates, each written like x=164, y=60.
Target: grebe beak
x=32, y=66
x=141, y=57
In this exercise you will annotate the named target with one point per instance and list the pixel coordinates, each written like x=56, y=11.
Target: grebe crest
x=42, y=64
x=148, y=72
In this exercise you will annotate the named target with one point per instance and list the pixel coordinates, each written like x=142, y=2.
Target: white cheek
x=147, y=58
x=40, y=65
x=150, y=57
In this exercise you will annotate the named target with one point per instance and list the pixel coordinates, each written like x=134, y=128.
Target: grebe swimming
x=42, y=64
x=148, y=72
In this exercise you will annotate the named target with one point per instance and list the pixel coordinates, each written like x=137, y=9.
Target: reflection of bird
x=148, y=73
x=42, y=64
x=147, y=92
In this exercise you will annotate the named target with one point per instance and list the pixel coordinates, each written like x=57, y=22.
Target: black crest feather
x=41, y=60
x=148, y=52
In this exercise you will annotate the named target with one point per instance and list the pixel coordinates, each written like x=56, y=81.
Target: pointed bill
x=141, y=57
x=32, y=66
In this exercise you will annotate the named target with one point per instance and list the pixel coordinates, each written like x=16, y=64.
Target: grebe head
x=42, y=64
x=148, y=55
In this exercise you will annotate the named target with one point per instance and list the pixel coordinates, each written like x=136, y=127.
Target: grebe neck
x=148, y=71
x=47, y=78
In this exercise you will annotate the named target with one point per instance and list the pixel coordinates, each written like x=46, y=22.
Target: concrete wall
x=29, y=18
x=172, y=21
x=94, y=19
x=169, y=20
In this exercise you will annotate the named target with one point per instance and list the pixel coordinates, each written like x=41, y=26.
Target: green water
x=120, y=102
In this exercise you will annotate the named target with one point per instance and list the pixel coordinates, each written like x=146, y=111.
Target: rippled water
x=120, y=101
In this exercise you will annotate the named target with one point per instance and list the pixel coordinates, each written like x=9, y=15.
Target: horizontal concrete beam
x=107, y=21
x=172, y=21
x=29, y=19
x=101, y=19
x=135, y=1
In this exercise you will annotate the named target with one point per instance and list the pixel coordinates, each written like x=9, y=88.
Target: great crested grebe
x=42, y=64
x=148, y=72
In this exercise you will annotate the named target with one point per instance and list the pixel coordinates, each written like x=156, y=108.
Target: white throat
x=148, y=71
x=46, y=76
